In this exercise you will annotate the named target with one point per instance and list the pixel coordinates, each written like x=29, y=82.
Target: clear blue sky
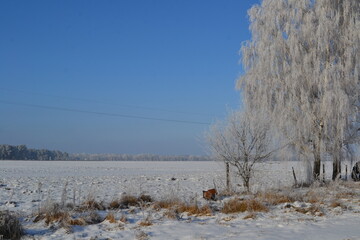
x=73, y=74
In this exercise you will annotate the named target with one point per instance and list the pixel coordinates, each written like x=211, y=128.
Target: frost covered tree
x=302, y=67
x=242, y=141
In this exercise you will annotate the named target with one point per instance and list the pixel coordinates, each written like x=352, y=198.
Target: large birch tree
x=302, y=66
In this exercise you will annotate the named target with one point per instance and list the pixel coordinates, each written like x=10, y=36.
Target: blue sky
x=92, y=76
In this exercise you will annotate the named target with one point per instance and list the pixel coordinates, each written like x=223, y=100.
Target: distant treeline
x=21, y=152
x=137, y=157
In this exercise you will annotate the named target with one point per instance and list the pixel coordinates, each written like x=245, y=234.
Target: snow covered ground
x=27, y=186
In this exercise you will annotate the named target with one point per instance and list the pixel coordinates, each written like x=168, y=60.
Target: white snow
x=25, y=186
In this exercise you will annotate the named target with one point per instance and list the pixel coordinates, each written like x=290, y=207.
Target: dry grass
x=314, y=210
x=110, y=217
x=10, y=227
x=140, y=235
x=236, y=205
x=145, y=198
x=146, y=222
x=346, y=195
x=56, y=217
x=171, y=214
x=91, y=205
x=114, y=204
x=123, y=219
x=250, y=216
x=167, y=204
x=194, y=209
x=78, y=222
x=336, y=203
x=274, y=198
x=129, y=200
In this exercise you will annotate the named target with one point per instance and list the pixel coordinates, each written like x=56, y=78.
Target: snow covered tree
x=302, y=67
x=242, y=141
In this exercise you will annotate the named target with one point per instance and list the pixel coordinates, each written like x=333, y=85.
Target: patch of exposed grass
x=236, y=205
x=129, y=200
x=91, y=205
x=167, y=204
x=194, y=209
x=145, y=198
x=250, y=216
x=110, y=217
x=274, y=198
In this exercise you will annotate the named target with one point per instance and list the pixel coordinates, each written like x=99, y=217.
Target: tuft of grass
x=346, y=195
x=92, y=205
x=314, y=210
x=93, y=218
x=145, y=222
x=140, y=235
x=167, y=204
x=274, y=198
x=236, y=205
x=250, y=216
x=114, y=204
x=194, y=209
x=123, y=218
x=56, y=217
x=129, y=200
x=171, y=214
x=145, y=198
x=110, y=217
x=78, y=222
x=10, y=227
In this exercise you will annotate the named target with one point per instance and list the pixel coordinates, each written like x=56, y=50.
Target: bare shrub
x=10, y=227
x=242, y=141
x=236, y=205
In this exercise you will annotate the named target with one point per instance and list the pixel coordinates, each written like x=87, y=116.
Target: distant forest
x=21, y=152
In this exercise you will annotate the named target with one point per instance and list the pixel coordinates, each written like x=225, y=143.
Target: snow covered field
x=27, y=186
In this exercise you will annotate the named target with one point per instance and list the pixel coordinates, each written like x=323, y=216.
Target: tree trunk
x=227, y=176
x=317, y=162
x=336, y=167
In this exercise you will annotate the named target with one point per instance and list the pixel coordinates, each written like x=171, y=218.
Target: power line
x=101, y=113
x=106, y=103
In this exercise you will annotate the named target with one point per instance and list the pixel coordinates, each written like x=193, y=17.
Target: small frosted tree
x=242, y=141
x=302, y=66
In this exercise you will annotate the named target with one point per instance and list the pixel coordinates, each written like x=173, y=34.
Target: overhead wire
x=107, y=103
x=102, y=113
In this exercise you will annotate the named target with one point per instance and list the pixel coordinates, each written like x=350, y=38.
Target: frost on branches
x=302, y=68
